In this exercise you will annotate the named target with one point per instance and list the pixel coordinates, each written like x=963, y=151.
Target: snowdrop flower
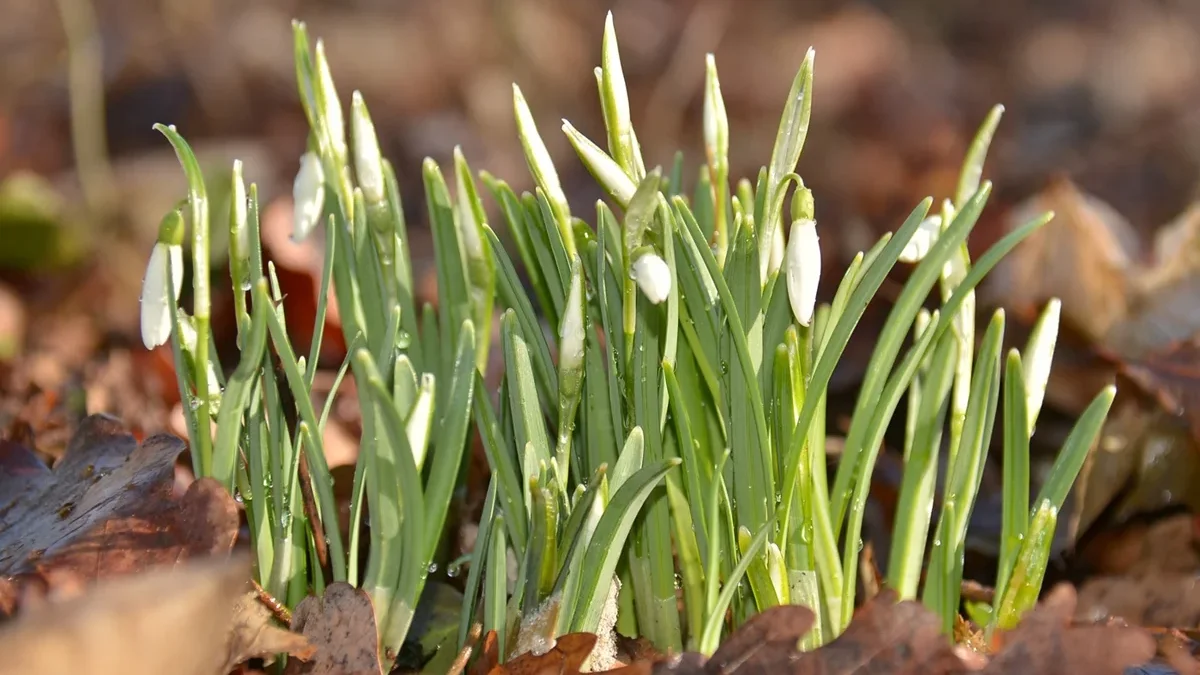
x=653, y=277
x=803, y=269
x=922, y=240
x=159, y=297
x=308, y=196
x=368, y=163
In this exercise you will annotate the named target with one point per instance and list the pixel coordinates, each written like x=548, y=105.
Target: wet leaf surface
x=341, y=626
x=107, y=508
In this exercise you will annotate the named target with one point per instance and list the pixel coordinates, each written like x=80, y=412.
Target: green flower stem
x=198, y=201
x=316, y=451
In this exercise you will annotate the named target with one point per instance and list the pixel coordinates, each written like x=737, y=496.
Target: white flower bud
x=653, y=277
x=332, y=106
x=538, y=157
x=603, y=168
x=571, y=334
x=308, y=196
x=1039, y=353
x=922, y=240
x=803, y=269
x=368, y=162
x=159, y=298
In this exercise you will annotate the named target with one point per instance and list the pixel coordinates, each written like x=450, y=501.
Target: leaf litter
x=885, y=636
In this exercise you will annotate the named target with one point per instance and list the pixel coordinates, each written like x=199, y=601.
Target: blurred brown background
x=1103, y=92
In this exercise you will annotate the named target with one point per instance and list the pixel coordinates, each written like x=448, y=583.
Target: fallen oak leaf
x=162, y=621
x=341, y=626
x=107, y=508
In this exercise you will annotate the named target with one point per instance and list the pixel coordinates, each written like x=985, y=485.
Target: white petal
x=803, y=269
x=156, y=310
x=308, y=196
x=653, y=277
x=922, y=240
x=176, y=253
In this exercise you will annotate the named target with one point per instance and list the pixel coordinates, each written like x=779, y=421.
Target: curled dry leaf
x=107, y=508
x=341, y=626
x=165, y=621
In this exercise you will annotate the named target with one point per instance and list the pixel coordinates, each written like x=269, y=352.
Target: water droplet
x=194, y=403
x=937, y=542
x=433, y=568
x=246, y=286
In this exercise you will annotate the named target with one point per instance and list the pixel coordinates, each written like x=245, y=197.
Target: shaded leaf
x=1172, y=377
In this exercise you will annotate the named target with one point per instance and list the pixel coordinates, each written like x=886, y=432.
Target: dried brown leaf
x=107, y=508
x=1084, y=257
x=341, y=626
x=163, y=621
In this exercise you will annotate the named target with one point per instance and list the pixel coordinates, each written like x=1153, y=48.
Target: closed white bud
x=159, y=297
x=332, y=108
x=1039, y=353
x=653, y=277
x=368, y=162
x=716, y=121
x=538, y=157
x=803, y=269
x=922, y=240
x=603, y=168
x=571, y=334
x=308, y=196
